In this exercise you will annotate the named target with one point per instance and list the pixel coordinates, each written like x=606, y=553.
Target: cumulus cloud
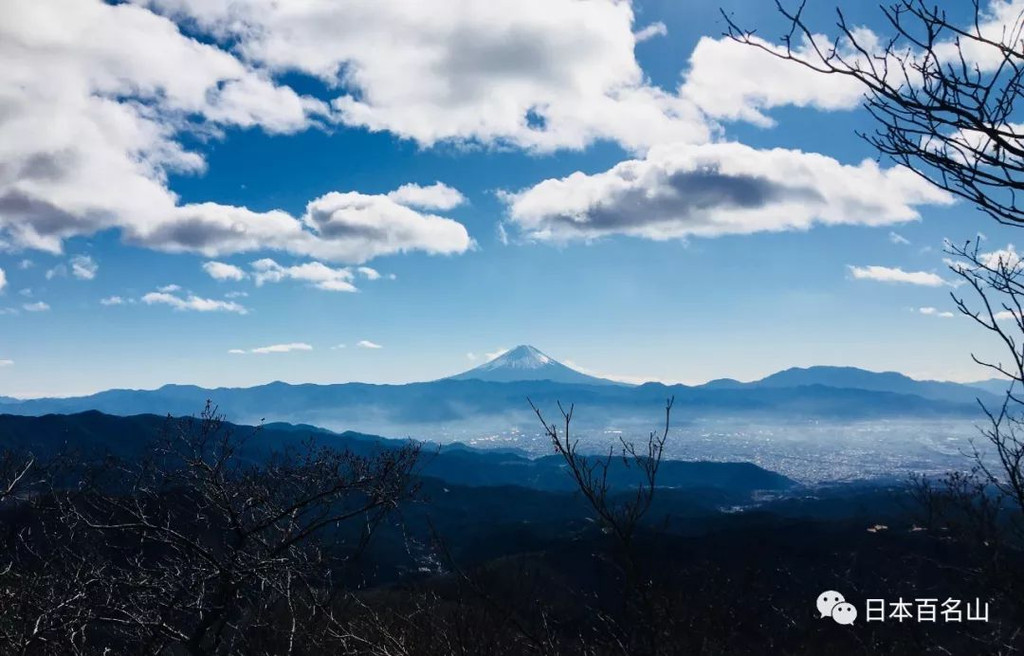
x=678, y=191
x=95, y=96
x=732, y=81
x=346, y=227
x=169, y=289
x=368, y=273
x=759, y=81
x=437, y=196
x=222, y=271
x=935, y=312
x=896, y=275
x=84, y=267
x=96, y=106
x=317, y=274
x=540, y=74
x=38, y=306
x=367, y=344
x=191, y=302
x=1004, y=257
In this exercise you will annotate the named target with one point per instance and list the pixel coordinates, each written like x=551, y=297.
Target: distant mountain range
x=500, y=388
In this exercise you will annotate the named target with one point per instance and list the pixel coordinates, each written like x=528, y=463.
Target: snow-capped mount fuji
x=528, y=363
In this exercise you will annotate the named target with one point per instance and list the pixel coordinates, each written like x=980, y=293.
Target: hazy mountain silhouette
x=501, y=387
x=854, y=378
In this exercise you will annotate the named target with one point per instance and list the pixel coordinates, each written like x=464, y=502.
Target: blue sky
x=615, y=184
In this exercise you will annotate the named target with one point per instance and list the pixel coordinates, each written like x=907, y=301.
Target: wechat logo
x=832, y=604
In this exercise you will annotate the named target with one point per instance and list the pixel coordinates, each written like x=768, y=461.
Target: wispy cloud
x=113, y=300
x=367, y=344
x=497, y=353
x=897, y=238
x=651, y=31
x=6, y=363
x=935, y=312
x=191, y=302
x=38, y=306
x=896, y=275
x=282, y=348
x=84, y=267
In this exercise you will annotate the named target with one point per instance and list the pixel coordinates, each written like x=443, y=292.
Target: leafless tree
x=204, y=547
x=997, y=280
x=620, y=513
x=945, y=96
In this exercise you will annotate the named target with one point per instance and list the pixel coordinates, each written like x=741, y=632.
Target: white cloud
x=59, y=271
x=366, y=344
x=282, y=348
x=6, y=363
x=95, y=97
x=236, y=295
x=192, y=303
x=733, y=81
x=3, y=280
x=222, y=271
x=38, y=306
x=337, y=347
x=112, y=300
x=897, y=238
x=317, y=274
x=25, y=264
x=897, y=275
x=169, y=289
x=934, y=312
x=368, y=273
x=650, y=31
x=1006, y=257
x=678, y=191
x=540, y=74
x=758, y=81
x=84, y=267
x=437, y=196
x=96, y=105
x=471, y=356
x=274, y=348
x=495, y=353
x=27, y=292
